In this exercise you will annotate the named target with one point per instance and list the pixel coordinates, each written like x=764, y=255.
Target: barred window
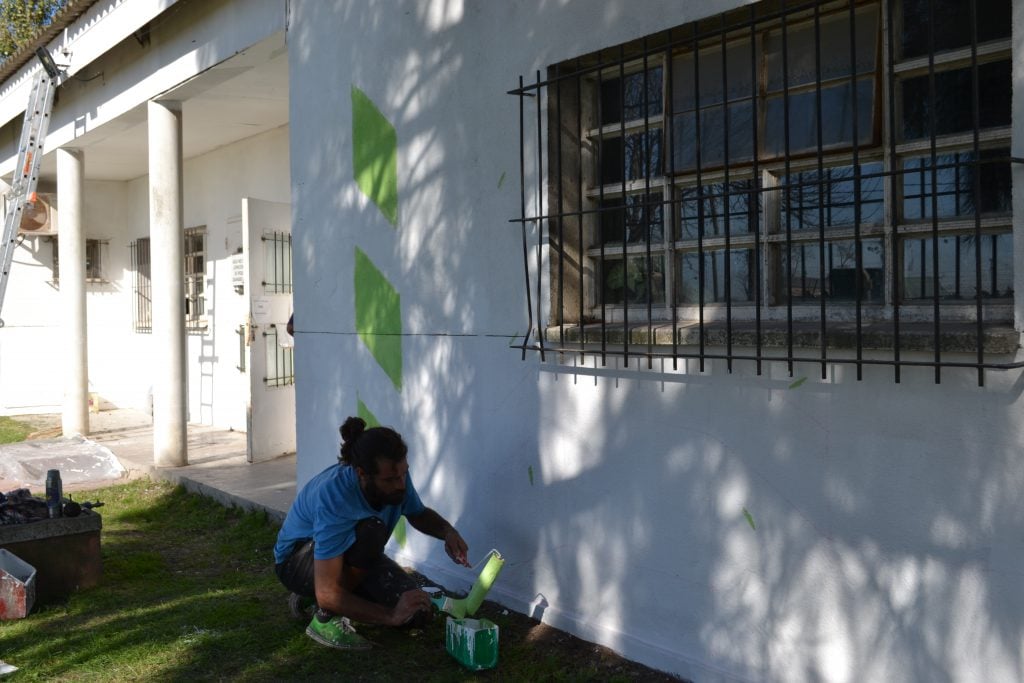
x=94, y=249
x=195, y=282
x=195, y=279
x=142, y=286
x=803, y=182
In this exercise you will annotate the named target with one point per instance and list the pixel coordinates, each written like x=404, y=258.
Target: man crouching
x=331, y=545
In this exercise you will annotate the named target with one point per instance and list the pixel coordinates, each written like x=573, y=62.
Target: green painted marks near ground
x=399, y=533
x=362, y=411
x=379, y=317
x=797, y=383
x=750, y=519
x=501, y=180
x=375, y=155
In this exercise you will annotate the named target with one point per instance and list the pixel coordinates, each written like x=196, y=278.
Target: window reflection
x=951, y=107
x=634, y=280
x=809, y=196
x=728, y=276
x=801, y=273
x=616, y=99
x=952, y=27
x=719, y=212
x=957, y=264
x=640, y=216
x=638, y=158
x=954, y=185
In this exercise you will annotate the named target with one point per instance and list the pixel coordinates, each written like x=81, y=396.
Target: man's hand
x=409, y=604
x=456, y=547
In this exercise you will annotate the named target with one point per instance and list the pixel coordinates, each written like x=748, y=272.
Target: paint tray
x=474, y=642
x=17, y=586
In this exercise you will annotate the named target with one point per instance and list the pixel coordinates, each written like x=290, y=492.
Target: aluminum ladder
x=30, y=151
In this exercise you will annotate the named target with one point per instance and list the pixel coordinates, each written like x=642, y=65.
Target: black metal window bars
x=823, y=182
x=195, y=279
x=280, y=360
x=277, y=251
x=142, y=286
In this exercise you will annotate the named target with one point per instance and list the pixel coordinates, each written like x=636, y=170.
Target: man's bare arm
x=433, y=524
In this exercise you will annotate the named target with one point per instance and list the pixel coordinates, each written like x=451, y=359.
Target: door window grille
x=277, y=263
x=280, y=360
x=794, y=181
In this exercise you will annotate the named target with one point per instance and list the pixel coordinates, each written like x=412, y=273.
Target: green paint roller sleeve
x=468, y=605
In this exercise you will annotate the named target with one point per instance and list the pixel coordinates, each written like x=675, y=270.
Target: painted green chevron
x=399, y=534
x=379, y=317
x=375, y=155
x=362, y=411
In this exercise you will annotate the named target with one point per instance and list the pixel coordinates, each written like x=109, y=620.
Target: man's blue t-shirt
x=328, y=508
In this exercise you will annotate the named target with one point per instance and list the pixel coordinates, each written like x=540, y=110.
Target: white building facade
x=780, y=526
x=220, y=78
x=719, y=493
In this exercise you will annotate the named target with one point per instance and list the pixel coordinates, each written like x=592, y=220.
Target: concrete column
x=166, y=234
x=71, y=256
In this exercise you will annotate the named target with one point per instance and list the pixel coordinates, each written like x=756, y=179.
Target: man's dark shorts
x=384, y=583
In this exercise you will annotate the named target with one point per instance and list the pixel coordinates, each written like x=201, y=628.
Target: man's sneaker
x=337, y=633
x=300, y=608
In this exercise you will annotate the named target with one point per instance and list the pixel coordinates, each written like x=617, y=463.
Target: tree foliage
x=20, y=19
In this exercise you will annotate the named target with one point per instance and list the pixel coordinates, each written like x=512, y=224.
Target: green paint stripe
x=362, y=411
x=399, y=533
x=375, y=155
x=379, y=317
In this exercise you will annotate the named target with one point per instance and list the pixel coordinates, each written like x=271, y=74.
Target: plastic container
x=473, y=642
x=17, y=586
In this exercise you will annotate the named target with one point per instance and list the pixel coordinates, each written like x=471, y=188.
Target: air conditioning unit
x=39, y=217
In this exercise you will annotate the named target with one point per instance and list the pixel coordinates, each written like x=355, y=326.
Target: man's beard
x=377, y=497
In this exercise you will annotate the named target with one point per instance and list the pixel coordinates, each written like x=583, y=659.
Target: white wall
x=120, y=359
x=886, y=533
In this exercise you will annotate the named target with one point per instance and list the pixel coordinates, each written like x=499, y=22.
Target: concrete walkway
x=217, y=466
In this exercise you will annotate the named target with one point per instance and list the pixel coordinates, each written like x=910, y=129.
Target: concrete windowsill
x=996, y=339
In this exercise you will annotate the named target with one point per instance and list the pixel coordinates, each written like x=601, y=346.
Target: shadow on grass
x=188, y=592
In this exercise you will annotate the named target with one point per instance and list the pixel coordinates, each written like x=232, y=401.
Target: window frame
x=885, y=147
x=95, y=258
x=194, y=281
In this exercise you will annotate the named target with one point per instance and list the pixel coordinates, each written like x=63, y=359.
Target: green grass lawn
x=12, y=431
x=188, y=593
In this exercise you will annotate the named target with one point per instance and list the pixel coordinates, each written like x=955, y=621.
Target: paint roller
x=467, y=606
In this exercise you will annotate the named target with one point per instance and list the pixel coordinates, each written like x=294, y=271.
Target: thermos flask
x=54, y=493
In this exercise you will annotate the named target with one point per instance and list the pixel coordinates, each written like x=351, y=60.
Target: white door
x=266, y=243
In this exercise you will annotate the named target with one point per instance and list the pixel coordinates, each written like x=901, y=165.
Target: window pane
x=716, y=218
x=952, y=107
x=957, y=267
x=712, y=137
x=740, y=276
x=836, y=112
x=952, y=24
x=632, y=97
x=835, y=49
x=738, y=83
x=639, y=158
x=634, y=280
x=954, y=185
x=840, y=273
x=637, y=217
x=830, y=196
